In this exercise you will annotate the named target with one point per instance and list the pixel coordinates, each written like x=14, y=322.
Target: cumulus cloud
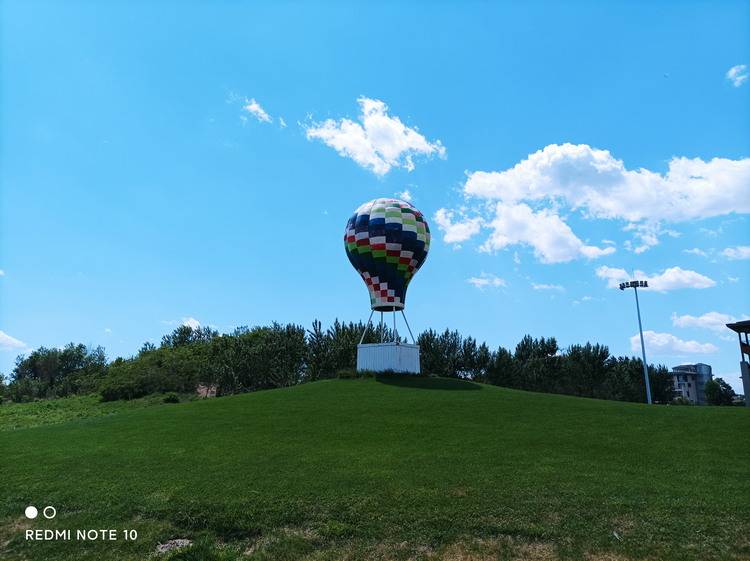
x=550, y=237
x=8, y=343
x=405, y=195
x=737, y=75
x=713, y=321
x=595, y=182
x=191, y=322
x=2, y=273
x=378, y=142
x=456, y=231
x=598, y=186
x=737, y=252
x=673, y=278
x=254, y=108
x=668, y=344
x=486, y=280
x=188, y=321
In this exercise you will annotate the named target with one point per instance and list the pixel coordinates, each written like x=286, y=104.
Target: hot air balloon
x=387, y=241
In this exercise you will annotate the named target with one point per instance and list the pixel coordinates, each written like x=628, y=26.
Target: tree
x=186, y=335
x=502, y=369
x=583, y=371
x=718, y=392
x=147, y=347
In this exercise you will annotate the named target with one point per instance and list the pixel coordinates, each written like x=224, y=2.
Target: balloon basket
x=388, y=357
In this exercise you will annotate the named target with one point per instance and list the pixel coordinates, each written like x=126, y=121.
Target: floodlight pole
x=643, y=348
x=634, y=285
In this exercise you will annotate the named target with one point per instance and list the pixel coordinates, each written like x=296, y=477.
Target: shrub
x=347, y=373
x=171, y=397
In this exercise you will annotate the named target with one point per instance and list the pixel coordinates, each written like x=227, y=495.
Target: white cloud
x=595, y=182
x=2, y=273
x=648, y=233
x=733, y=279
x=379, y=142
x=8, y=343
x=456, y=231
x=486, y=280
x=737, y=75
x=107, y=330
x=254, y=108
x=673, y=278
x=191, y=322
x=695, y=251
x=596, y=185
x=668, y=344
x=282, y=122
x=713, y=321
x=537, y=286
x=405, y=195
x=737, y=252
x=552, y=239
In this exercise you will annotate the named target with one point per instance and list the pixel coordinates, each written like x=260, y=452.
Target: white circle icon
x=31, y=512
x=49, y=512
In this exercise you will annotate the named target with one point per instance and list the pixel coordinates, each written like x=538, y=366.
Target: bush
x=347, y=373
x=171, y=397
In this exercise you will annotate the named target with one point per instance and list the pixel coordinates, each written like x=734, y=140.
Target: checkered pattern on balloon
x=387, y=241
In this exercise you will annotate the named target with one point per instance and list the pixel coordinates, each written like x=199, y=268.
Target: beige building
x=690, y=381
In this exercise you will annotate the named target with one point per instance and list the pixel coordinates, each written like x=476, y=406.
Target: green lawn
x=15, y=416
x=424, y=469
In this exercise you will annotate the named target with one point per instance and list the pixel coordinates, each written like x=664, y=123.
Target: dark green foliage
x=718, y=392
x=186, y=335
x=257, y=359
x=171, y=397
x=284, y=355
x=539, y=365
x=336, y=348
x=166, y=369
x=448, y=354
x=75, y=369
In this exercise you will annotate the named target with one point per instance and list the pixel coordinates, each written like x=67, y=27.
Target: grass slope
x=388, y=469
x=15, y=416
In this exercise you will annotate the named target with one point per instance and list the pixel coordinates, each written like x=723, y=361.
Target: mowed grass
x=388, y=469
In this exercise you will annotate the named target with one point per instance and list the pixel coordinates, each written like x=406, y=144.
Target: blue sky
x=174, y=161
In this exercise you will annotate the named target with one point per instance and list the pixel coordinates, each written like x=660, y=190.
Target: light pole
x=634, y=285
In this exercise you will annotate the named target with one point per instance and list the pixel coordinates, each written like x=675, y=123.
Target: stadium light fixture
x=635, y=285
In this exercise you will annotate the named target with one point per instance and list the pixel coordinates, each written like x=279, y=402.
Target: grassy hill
x=387, y=469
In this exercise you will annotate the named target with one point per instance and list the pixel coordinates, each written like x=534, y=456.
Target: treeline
x=250, y=359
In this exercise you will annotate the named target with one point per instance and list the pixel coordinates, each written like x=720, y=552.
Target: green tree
x=503, y=369
x=186, y=335
x=718, y=392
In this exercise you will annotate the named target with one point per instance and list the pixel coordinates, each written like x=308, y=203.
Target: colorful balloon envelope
x=387, y=241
